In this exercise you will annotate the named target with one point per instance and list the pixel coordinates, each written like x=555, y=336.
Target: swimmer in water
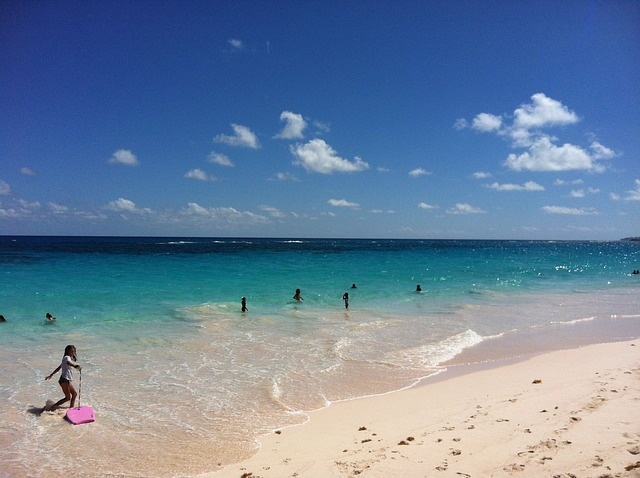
x=298, y=297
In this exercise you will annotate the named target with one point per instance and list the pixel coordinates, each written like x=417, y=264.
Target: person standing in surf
x=345, y=297
x=298, y=297
x=66, y=376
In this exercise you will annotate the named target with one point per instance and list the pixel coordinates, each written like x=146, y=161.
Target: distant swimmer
x=418, y=288
x=345, y=297
x=244, y=304
x=50, y=317
x=636, y=272
x=353, y=286
x=2, y=319
x=298, y=297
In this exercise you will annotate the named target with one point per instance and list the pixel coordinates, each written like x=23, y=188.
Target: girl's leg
x=66, y=388
x=74, y=394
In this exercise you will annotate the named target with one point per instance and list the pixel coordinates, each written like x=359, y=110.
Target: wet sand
x=567, y=413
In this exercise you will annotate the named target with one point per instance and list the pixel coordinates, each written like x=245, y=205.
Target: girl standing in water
x=66, y=376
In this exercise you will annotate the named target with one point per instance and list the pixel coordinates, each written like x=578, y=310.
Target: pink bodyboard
x=78, y=415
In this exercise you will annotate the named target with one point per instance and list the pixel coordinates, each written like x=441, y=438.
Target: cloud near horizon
x=318, y=157
x=570, y=211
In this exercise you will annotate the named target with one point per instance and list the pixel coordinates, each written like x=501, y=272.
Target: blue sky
x=425, y=119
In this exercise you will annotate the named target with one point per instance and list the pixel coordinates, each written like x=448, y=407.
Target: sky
x=361, y=119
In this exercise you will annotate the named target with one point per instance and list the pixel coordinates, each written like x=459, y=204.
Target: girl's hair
x=68, y=350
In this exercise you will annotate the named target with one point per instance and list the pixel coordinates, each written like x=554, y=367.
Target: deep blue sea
x=169, y=357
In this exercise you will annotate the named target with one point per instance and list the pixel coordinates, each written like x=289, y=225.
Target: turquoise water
x=168, y=354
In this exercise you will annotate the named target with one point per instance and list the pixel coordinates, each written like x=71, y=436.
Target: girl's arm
x=53, y=373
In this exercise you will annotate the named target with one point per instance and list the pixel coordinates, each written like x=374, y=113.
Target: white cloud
x=242, y=137
x=424, y=205
x=542, y=112
x=343, y=203
x=486, y=122
x=285, y=177
x=419, y=172
x=570, y=211
x=124, y=156
x=317, y=156
x=464, y=208
x=222, y=217
x=562, y=182
x=272, y=211
x=601, y=152
x=198, y=174
x=5, y=189
x=528, y=186
x=481, y=175
x=235, y=43
x=577, y=193
x=58, y=208
x=220, y=159
x=525, y=131
x=614, y=196
x=460, y=124
x=294, y=127
x=126, y=205
x=27, y=171
x=543, y=155
x=634, y=194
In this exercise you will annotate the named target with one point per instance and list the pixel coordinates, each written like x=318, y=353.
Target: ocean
x=183, y=382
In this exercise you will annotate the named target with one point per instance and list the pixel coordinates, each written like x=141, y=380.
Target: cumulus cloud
x=294, y=127
x=126, y=205
x=343, y=203
x=528, y=186
x=525, y=130
x=465, y=208
x=634, y=194
x=198, y=174
x=124, y=156
x=27, y=171
x=424, y=205
x=543, y=155
x=5, y=189
x=486, y=122
x=570, y=211
x=601, y=152
x=220, y=159
x=481, y=175
x=242, y=137
x=419, y=172
x=318, y=157
x=543, y=112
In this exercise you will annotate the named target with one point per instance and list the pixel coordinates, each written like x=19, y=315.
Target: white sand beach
x=568, y=413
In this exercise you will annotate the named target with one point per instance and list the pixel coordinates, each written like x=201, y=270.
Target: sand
x=568, y=413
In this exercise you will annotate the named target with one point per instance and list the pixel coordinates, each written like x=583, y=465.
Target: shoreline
x=546, y=412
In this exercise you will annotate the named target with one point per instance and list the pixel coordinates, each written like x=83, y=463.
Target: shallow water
x=182, y=381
